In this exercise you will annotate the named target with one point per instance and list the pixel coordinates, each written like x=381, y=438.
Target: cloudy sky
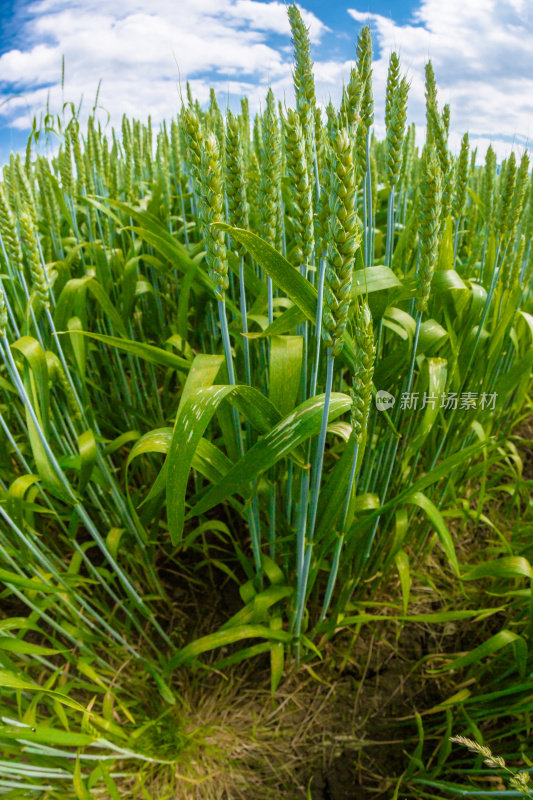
x=143, y=53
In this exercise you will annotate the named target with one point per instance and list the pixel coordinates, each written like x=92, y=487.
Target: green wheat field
x=265, y=460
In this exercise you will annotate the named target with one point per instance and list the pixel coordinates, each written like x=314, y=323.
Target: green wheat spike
x=343, y=238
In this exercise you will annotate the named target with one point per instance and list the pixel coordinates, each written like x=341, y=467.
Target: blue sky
x=143, y=52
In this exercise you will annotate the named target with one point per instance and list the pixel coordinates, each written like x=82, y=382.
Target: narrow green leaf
x=223, y=638
x=82, y=793
x=15, y=501
x=48, y=736
x=303, y=423
x=401, y=560
x=493, y=645
x=36, y=360
x=32, y=584
x=285, y=276
x=189, y=428
x=11, y=645
x=88, y=456
x=277, y=657
x=433, y=377
x=155, y=355
x=286, y=357
x=506, y=567
x=437, y=520
x=74, y=293
x=12, y=681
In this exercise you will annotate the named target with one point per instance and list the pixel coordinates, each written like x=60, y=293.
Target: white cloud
x=273, y=17
x=483, y=60
x=145, y=56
